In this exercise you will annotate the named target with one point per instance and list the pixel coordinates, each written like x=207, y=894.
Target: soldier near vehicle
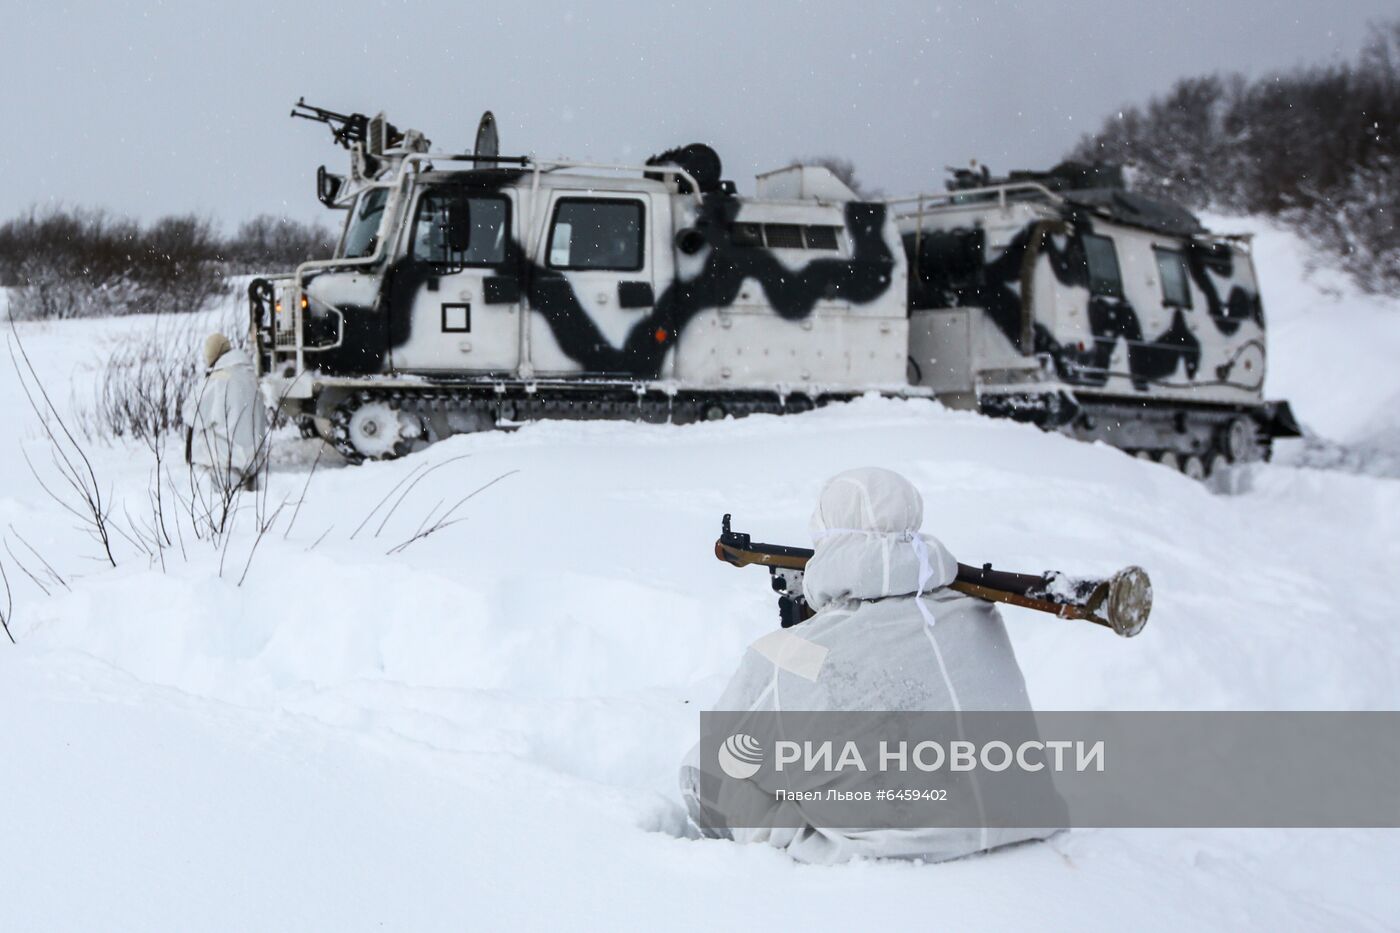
x=226, y=434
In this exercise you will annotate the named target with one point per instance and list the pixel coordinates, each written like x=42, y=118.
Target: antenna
x=488, y=143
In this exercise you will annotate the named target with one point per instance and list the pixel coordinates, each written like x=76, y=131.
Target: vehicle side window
x=486, y=244
x=1176, y=287
x=597, y=234
x=362, y=226
x=949, y=266
x=1104, y=276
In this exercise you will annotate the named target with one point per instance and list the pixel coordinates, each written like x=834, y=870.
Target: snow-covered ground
x=1332, y=353
x=482, y=730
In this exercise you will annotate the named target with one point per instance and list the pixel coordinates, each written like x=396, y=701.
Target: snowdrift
x=483, y=727
x=1332, y=354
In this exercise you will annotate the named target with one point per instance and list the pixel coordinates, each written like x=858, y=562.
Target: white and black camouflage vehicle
x=478, y=291
x=1064, y=299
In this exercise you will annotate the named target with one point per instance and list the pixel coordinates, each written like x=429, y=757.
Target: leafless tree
x=67, y=263
x=268, y=243
x=1316, y=147
x=80, y=262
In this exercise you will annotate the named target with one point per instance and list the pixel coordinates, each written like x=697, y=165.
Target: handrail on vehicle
x=933, y=199
x=940, y=199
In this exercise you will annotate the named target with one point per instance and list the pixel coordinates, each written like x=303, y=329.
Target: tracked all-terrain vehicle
x=473, y=291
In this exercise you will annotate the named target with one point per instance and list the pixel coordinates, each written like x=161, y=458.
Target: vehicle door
x=594, y=289
x=454, y=291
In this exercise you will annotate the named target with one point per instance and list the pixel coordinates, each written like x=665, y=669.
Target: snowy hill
x=482, y=729
x=1332, y=353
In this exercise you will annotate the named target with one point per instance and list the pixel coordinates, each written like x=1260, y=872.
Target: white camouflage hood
x=868, y=546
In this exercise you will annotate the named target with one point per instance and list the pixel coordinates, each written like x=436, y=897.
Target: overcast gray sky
x=152, y=108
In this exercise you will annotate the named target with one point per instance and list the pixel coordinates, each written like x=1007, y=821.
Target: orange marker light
x=661, y=335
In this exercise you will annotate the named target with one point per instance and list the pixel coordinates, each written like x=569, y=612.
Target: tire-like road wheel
x=1241, y=441
x=364, y=427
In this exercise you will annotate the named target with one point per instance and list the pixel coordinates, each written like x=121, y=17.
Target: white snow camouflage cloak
x=226, y=419
x=872, y=647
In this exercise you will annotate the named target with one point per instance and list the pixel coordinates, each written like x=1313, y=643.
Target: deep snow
x=483, y=730
x=1332, y=353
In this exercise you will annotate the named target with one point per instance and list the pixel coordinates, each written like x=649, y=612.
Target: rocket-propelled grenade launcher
x=1122, y=602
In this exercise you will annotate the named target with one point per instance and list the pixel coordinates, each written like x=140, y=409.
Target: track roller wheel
x=1241, y=441
x=368, y=427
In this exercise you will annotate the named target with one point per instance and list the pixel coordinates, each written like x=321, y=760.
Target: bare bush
x=64, y=263
x=145, y=388
x=146, y=377
x=74, y=263
x=145, y=381
x=180, y=267
x=434, y=522
x=9, y=612
x=85, y=499
x=1357, y=223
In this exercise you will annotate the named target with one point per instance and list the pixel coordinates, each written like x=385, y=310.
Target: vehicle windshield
x=362, y=229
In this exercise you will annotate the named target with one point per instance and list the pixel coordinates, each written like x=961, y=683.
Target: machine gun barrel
x=1122, y=602
x=347, y=128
